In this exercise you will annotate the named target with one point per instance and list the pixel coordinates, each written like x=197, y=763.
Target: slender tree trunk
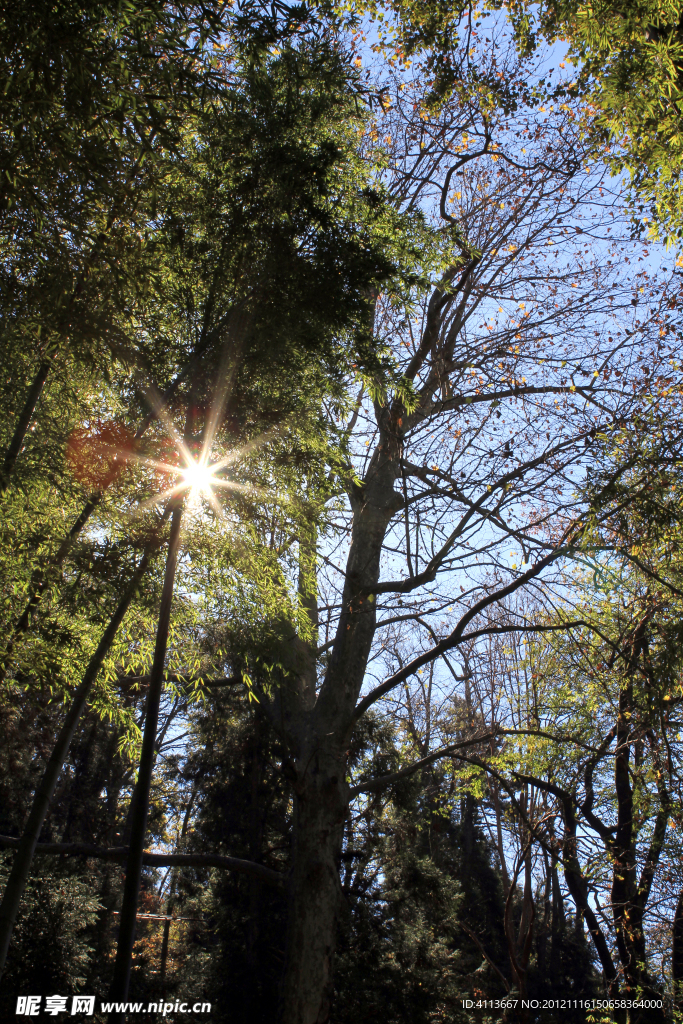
x=257, y=817
x=140, y=803
x=23, y=858
x=23, y=424
x=546, y=924
x=557, y=920
x=164, y=950
x=677, y=954
x=89, y=774
x=624, y=896
x=519, y=946
x=170, y=903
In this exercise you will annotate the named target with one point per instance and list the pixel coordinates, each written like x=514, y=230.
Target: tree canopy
x=342, y=633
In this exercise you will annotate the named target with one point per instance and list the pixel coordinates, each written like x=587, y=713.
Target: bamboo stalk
x=140, y=806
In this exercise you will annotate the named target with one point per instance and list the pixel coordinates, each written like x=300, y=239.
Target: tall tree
x=480, y=456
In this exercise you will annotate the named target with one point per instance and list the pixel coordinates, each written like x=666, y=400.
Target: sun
x=199, y=478
x=193, y=477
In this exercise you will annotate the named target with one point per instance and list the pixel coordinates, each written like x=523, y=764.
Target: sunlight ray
x=251, y=490
x=170, y=492
x=216, y=411
x=215, y=504
x=143, y=460
x=246, y=449
x=157, y=404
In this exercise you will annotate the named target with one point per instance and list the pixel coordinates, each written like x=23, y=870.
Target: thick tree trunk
x=317, y=730
x=321, y=805
x=23, y=858
x=140, y=808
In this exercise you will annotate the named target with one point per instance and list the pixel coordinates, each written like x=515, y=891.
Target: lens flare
x=184, y=470
x=198, y=477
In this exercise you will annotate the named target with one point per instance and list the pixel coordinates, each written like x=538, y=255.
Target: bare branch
x=456, y=637
x=404, y=773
